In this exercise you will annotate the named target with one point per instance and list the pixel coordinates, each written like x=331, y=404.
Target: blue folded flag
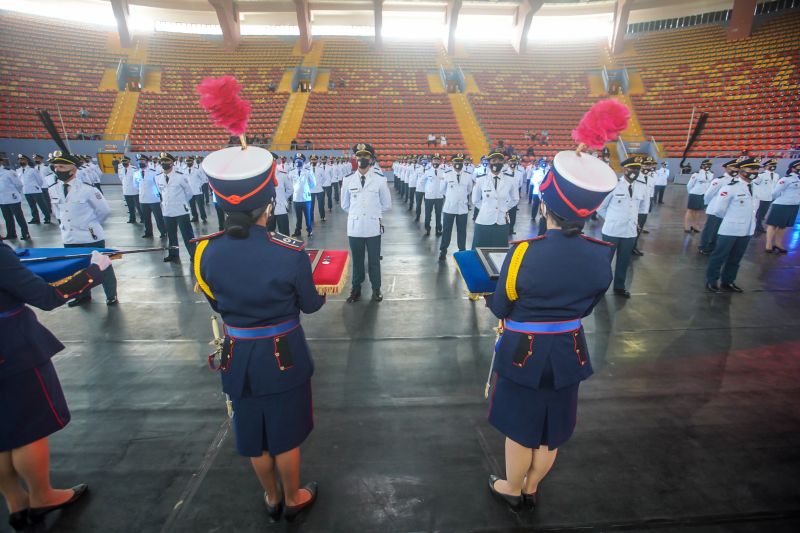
x=57, y=269
x=474, y=273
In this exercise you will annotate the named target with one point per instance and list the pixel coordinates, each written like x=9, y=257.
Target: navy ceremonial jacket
x=24, y=342
x=262, y=280
x=559, y=279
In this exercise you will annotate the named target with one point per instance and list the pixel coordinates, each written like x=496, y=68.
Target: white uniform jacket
x=365, y=203
x=81, y=212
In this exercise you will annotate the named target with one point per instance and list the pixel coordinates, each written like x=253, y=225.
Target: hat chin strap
x=551, y=180
x=235, y=199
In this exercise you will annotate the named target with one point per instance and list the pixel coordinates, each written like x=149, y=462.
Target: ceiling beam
x=228, y=16
x=622, y=11
x=378, y=8
x=121, y=13
x=304, y=24
x=525, y=13
x=741, y=24
x=451, y=19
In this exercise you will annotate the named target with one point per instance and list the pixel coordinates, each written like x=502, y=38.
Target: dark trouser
x=512, y=219
x=220, y=216
x=109, y=278
x=196, y=204
x=434, y=204
x=461, y=231
x=153, y=209
x=412, y=194
x=726, y=258
x=763, y=207
x=642, y=220
x=302, y=209
x=182, y=222
x=34, y=200
x=419, y=196
x=132, y=201
x=46, y=196
x=708, y=238
x=329, y=195
x=206, y=193
x=336, y=186
x=318, y=199
x=623, y=249
x=281, y=222
x=372, y=247
x=659, y=196
x=10, y=212
x=535, y=203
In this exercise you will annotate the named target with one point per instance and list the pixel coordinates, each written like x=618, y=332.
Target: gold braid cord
x=513, y=270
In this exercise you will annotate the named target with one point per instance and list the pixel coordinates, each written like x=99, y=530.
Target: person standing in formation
x=431, y=185
x=32, y=186
x=763, y=187
x=130, y=190
x=494, y=194
x=149, y=199
x=303, y=182
x=708, y=237
x=697, y=186
x=783, y=212
x=196, y=178
x=456, y=187
x=176, y=194
x=11, y=202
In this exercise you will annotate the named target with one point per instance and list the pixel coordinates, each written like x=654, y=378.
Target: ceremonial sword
x=83, y=256
x=217, y=342
x=499, y=331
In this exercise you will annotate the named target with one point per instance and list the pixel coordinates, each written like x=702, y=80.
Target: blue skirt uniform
x=696, y=202
x=782, y=216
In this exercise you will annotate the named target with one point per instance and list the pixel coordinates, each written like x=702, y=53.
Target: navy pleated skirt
x=696, y=201
x=33, y=407
x=782, y=216
x=273, y=423
x=490, y=235
x=534, y=417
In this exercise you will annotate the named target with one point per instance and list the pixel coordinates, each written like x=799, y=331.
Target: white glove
x=100, y=260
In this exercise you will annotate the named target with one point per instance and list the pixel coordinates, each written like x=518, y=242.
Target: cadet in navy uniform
x=365, y=196
x=620, y=211
x=736, y=206
x=33, y=403
x=547, y=285
x=783, y=211
x=260, y=282
x=456, y=188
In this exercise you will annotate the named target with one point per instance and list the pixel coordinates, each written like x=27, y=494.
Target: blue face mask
x=424, y=162
x=485, y=164
x=298, y=163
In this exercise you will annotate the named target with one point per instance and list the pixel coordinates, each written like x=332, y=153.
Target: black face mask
x=126, y=165
x=166, y=166
x=363, y=162
x=435, y=165
x=63, y=175
x=733, y=172
x=496, y=167
x=142, y=165
x=458, y=166
x=631, y=175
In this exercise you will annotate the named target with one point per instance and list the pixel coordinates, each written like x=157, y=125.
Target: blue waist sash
x=542, y=327
x=12, y=312
x=263, y=332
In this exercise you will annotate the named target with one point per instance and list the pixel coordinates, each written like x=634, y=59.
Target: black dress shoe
x=26, y=237
x=703, y=252
x=515, y=502
x=147, y=236
x=172, y=259
x=695, y=230
x=296, y=234
x=687, y=231
x=622, y=292
x=293, y=511
x=19, y=520
x=442, y=257
x=377, y=296
x=274, y=511
x=131, y=222
x=712, y=287
x=637, y=252
x=37, y=514
x=79, y=301
x=774, y=249
x=354, y=296
x=530, y=500
x=438, y=233
x=193, y=219
x=645, y=231
x=427, y=232
x=162, y=236
x=112, y=301
x=416, y=219
x=730, y=287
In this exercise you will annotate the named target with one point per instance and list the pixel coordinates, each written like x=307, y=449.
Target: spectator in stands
x=83, y=113
x=530, y=152
x=293, y=145
x=431, y=140
x=115, y=164
x=79, y=135
x=308, y=145
x=544, y=137
x=527, y=135
x=272, y=87
x=443, y=141
x=341, y=83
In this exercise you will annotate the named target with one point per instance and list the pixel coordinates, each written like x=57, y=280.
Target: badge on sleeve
x=98, y=195
x=724, y=193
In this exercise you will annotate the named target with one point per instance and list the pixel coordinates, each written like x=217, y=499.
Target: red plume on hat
x=602, y=123
x=220, y=97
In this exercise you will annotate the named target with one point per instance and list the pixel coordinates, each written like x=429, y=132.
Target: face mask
x=142, y=165
x=485, y=163
x=631, y=175
x=458, y=166
x=298, y=164
x=126, y=165
x=512, y=166
x=733, y=172
x=436, y=165
x=771, y=169
x=166, y=166
x=63, y=175
x=496, y=167
x=363, y=163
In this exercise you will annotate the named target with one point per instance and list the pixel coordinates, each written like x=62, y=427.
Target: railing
x=604, y=75
x=71, y=136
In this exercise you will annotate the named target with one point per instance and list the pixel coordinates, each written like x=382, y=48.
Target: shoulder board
x=351, y=174
x=448, y=170
x=179, y=172
x=506, y=173
x=207, y=237
x=281, y=171
x=596, y=241
x=732, y=182
x=538, y=238
x=379, y=173
x=286, y=241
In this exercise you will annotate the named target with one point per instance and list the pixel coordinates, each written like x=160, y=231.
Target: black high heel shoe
x=515, y=502
x=37, y=514
x=19, y=520
x=293, y=511
x=274, y=511
x=530, y=500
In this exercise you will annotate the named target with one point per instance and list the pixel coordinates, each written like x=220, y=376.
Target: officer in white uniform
x=198, y=162
x=736, y=206
x=81, y=211
x=697, y=186
x=149, y=199
x=620, y=212
x=303, y=181
x=519, y=178
x=32, y=184
x=176, y=193
x=708, y=238
x=130, y=189
x=196, y=178
x=783, y=212
x=456, y=188
x=431, y=185
x=762, y=187
x=11, y=202
x=661, y=181
x=283, y=191
x=326, y=178
x=417, y=187
x=317, y=192
x=365, y=197
x=48, y=177
x=645, y=178
x=494, y=194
